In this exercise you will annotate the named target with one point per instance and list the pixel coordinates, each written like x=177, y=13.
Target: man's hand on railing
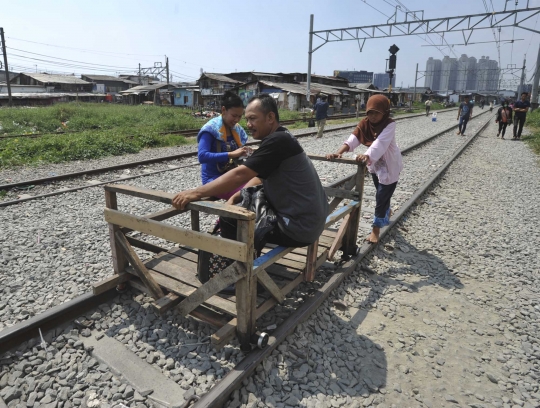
x=183, y=198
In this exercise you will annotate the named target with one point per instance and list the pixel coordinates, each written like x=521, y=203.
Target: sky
x=112, y=37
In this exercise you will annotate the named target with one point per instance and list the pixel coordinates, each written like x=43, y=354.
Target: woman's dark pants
x=383, y=196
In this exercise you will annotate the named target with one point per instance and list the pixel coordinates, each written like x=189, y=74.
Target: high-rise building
x=488, y=73
x=433, y=74
x=463, y=74
x=382, y=80
x=448, y=74
x=355, y=77
x=466, y=73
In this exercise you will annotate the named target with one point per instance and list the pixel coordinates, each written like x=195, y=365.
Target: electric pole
x=522, y=80
x=415, y=80
x=6, y=65
x=140, y=81
x=167, y=67
x=310, y=53
x=534, y=96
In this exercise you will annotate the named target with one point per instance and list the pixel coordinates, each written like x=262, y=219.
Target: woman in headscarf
x=221, y=140
x=503, y=118
x=377, y=131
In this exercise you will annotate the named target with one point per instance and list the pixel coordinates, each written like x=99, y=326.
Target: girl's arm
x=205, y=153
x=380, y=145
x=348, y=146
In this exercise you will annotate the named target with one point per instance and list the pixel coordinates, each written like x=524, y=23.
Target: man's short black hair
x=524, y=93
x=467, y=97
x=268, y=104
x=324, y=98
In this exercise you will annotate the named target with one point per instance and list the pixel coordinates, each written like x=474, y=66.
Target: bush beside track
x=100, y=130
x=533, y=125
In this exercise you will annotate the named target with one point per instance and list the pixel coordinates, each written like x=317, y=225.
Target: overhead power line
x=111, y=53
x=69, y=60
x=85, y=49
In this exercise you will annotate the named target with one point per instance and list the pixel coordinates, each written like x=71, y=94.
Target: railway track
x=441, y=153
x=22, y=186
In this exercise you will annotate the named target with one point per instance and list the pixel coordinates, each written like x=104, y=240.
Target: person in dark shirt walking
x=464, y=114
x=504, y=117
x=321, y=113
x=520, y=113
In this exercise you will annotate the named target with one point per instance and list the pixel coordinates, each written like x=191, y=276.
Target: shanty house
x=56, y=83
x=186, y=95
x=213, y=86
x=108, y=84
x=157, y=94
x=3, y=75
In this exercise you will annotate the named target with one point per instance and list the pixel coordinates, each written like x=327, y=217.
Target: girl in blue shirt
x=221, y=140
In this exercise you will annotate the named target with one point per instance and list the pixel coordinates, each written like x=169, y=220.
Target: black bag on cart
x=253, y=199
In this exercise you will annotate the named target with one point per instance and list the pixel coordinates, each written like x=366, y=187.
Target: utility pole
x=415, y=80
x=10, y=102
x=534, y=96
x=167, y=67
x=140, y=81
x=522, y=80
x=310, y=53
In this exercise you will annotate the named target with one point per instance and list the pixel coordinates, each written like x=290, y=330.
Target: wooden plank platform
x=175, y=271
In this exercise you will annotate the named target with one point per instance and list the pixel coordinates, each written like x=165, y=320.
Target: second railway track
x=48, y=187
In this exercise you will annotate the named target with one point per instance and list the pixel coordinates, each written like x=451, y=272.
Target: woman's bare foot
x=373, y=238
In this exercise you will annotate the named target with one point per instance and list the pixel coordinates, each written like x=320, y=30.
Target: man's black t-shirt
x=291, y=186
x=274, y=149
x=521, y=105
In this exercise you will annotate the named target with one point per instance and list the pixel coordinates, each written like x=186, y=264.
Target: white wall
x=22, y=89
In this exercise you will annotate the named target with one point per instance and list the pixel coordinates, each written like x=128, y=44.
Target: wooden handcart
x=170, y=276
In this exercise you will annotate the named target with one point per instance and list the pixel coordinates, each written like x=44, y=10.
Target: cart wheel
x=262, y=341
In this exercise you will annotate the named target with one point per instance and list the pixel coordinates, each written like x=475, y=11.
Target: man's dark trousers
x=518, y=126
x=463, y=123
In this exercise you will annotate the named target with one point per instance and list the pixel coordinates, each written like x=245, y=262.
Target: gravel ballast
x=64, y=262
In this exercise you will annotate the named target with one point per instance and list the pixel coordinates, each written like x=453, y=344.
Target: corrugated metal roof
x=220, y=77
x=103, y=78
x=46, y=95
x=286, y=86
x=136, y=90
x=58, y=79
x=365, y=85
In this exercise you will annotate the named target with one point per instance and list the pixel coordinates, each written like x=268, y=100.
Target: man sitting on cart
x=291, y=184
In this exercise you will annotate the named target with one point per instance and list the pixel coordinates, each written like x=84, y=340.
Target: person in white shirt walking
x=428, y=106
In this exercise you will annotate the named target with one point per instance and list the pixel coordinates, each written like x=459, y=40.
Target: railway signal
x=392, y=64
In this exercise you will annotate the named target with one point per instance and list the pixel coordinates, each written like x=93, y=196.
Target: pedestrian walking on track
x=321, y=113
x=428, y=106
x=520, y=114
x=464, y=114
x=503, y=118
x=378, y=132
